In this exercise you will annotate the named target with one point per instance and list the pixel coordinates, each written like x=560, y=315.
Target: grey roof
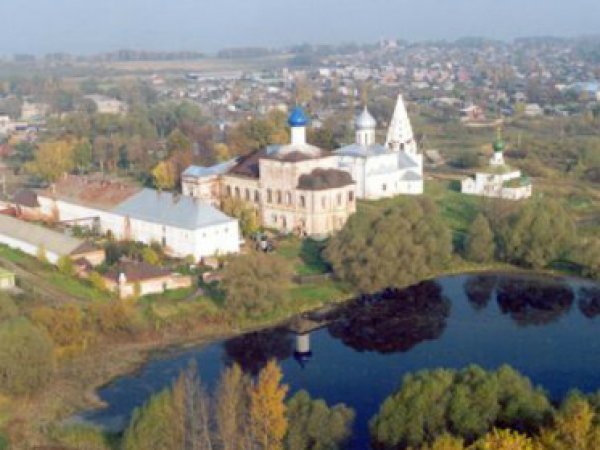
x=167, y=209
x=405, y=162
x=411, y=176
x=217, y=169
x=362, y=150
x=39, y=236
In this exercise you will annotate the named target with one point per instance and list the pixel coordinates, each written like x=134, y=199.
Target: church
x=302, y=189
x=499, y=180
x=387, y=170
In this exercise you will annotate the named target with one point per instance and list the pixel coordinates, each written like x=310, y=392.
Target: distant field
x=132, y=68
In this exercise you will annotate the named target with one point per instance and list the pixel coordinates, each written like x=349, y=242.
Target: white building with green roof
x=499, y=180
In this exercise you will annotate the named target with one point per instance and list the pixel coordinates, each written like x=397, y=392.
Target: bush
x=26, y=357
x=8, y=308
x=97, y=281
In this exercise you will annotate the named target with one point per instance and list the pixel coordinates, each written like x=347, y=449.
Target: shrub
x=26, y=357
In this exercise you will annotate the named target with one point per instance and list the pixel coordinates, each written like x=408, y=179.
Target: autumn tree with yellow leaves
x=267, y=408
x=52, y=160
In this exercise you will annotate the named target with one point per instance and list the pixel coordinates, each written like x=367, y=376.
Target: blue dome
x=297, y=118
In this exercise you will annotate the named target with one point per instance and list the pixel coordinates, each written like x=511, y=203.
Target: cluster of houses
x=294, y=188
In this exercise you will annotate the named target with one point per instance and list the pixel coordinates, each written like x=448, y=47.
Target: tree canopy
x=405, y=244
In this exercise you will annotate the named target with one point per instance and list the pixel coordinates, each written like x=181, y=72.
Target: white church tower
x=365, y=129
x=400, y=134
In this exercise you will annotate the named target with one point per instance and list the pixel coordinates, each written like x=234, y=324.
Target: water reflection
x=534, y=302
x=394, y=321
x=589, y=301
x=479, y=290
x=252, y=351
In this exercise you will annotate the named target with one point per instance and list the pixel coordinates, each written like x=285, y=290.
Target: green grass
x=304, y=255
x=174, y=295
x=313, y=295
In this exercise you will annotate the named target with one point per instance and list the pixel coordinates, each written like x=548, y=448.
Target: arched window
x=279, y=199
x=256, y=196
x=302, y=201
x=269, y=196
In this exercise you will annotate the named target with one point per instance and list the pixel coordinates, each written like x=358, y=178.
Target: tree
x=150, y=256
x=480, y=245
x=267, y=408
x=589, y=258
x=82, y=155
x=505, y=440
x=178, y=142
x=315, y=426
x=232, y=409
x=26, y=357
x=155, y=425
x=65, y=265
x=255, y=284
x=465, y=403
x=540, y=233
x=446, y=442
x=244, y=212
x=398, y=247
x=52, y=160
x=164, y=175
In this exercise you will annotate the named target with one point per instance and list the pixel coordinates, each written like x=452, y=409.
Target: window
x=279, y=199
x=339, y=199
x=324, y=202
x=228, y=191
x=269, y=196
x=247, y=194
x=384, y=187
x=237, y=192
x=256, y=197
x=302, y=202
x=350, y=196
x=288, y=198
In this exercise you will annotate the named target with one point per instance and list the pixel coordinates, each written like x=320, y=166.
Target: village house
x=107, y=105
x=134, y=279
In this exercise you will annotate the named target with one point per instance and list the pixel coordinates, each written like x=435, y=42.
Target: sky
x=93, y=26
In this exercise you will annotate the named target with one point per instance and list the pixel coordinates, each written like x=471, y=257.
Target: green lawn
x=305, y=255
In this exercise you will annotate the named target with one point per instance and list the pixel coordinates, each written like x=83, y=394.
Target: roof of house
x=39, y=236
x=320, y=179
x=411, y=176
x=26, y=197
x=217, y=169
x=362, y=151
x=97, y=192
x=172, y=210
x=136, y=271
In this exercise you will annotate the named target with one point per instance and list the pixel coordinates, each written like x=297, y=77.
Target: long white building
x=182, y=225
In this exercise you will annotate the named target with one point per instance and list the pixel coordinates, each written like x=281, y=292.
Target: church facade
x=303, y=189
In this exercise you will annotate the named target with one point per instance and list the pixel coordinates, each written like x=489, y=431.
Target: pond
x=547, y=328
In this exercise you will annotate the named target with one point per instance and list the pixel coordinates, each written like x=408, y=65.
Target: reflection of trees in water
x=589, y=301
x=534, y=301
x=394, y=321
x=479, y=290
x=252, y=351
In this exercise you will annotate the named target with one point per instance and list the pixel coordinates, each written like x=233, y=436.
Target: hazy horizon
x=207, y=26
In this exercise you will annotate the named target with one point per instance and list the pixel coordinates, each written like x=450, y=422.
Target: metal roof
x=39, y=236
x=217, y=169
x=362, y=150
x=168, y=209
